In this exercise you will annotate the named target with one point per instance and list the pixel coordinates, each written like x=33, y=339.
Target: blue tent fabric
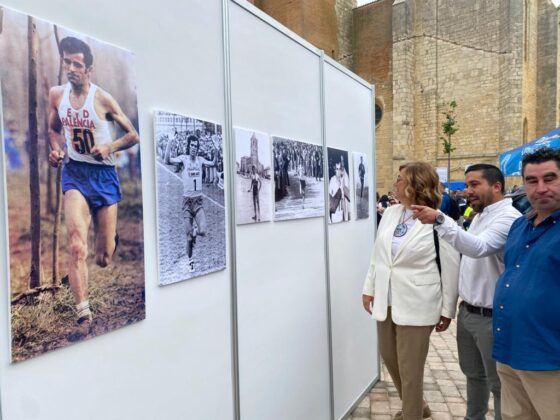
x=510, y=161
x=455, y=185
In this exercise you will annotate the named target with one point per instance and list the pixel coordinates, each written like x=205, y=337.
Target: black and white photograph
x=253, y=177
x=190, y=197
x=339, y=186
x=361, y=186
x=298, y=179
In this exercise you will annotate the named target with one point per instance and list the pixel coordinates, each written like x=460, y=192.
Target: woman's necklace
x=401, y=228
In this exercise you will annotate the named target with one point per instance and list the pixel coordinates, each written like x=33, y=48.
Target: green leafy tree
x=449, y=128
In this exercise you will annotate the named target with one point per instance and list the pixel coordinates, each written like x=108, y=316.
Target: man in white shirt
x=481, y=264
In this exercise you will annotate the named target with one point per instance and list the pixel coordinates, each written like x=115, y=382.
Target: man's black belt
x=477, y=310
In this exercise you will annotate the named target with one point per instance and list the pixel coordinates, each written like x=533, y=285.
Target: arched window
x=378, y=114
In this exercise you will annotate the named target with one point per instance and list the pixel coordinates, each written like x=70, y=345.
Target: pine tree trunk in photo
x=50, y=190
x=50, y=206
x=58, y=202
x=56, y=228
x=34, y=188
x=56, y=37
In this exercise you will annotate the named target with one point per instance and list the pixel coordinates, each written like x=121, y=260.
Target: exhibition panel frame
x=349, y=125
x=281, y=296
x=280, y=333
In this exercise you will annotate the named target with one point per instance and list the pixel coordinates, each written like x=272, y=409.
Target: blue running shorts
x=99, y=184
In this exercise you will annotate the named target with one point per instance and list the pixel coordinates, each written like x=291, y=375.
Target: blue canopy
x=510, y=161
x=455, y=185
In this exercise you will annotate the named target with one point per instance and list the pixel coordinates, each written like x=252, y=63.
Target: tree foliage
x=449, y=128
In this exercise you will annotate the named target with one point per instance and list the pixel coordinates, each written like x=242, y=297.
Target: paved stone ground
x=445, y=387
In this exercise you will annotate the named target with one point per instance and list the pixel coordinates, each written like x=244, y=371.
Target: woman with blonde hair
x=411, y=286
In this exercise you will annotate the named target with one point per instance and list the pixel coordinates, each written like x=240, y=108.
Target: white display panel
x=281, y=288
x=348, y=117
x=177, y=363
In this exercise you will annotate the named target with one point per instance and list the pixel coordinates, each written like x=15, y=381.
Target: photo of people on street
x=298, y=179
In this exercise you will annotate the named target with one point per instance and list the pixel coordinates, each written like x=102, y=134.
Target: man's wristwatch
x=440, y=218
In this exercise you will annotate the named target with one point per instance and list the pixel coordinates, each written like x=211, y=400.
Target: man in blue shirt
x=527, y=299
x=448, y=204
x=445, y=205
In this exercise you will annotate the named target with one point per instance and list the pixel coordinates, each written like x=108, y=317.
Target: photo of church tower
x=252, y=178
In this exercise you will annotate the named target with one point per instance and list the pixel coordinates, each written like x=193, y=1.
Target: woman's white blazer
x=418, y=295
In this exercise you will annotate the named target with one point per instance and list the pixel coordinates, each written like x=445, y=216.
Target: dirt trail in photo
x=116, y=293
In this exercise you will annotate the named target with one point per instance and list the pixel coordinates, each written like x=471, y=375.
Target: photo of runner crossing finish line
x=190, y=190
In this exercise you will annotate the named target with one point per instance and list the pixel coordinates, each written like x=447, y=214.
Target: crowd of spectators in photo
x=210, y=144
x=297, y=158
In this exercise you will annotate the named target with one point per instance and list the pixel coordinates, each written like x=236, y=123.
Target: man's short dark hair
x=490, y=173
x=190, y=139
x=544, y=154
x=73, y=45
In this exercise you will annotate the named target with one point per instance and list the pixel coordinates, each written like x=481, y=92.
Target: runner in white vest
x=83, y=128
x=192, y=167
x=83, y=116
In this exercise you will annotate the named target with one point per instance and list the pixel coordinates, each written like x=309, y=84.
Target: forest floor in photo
x=42, y=322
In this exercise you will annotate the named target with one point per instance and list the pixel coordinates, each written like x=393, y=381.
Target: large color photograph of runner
x=190, y=197
x=72, y=174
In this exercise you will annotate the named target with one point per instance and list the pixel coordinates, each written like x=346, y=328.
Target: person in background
x=379, y=209
x=10, y=146
x=449, y=206
x=468, y=216
x=383, y=202
x=445, y=206
x=461, y=201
